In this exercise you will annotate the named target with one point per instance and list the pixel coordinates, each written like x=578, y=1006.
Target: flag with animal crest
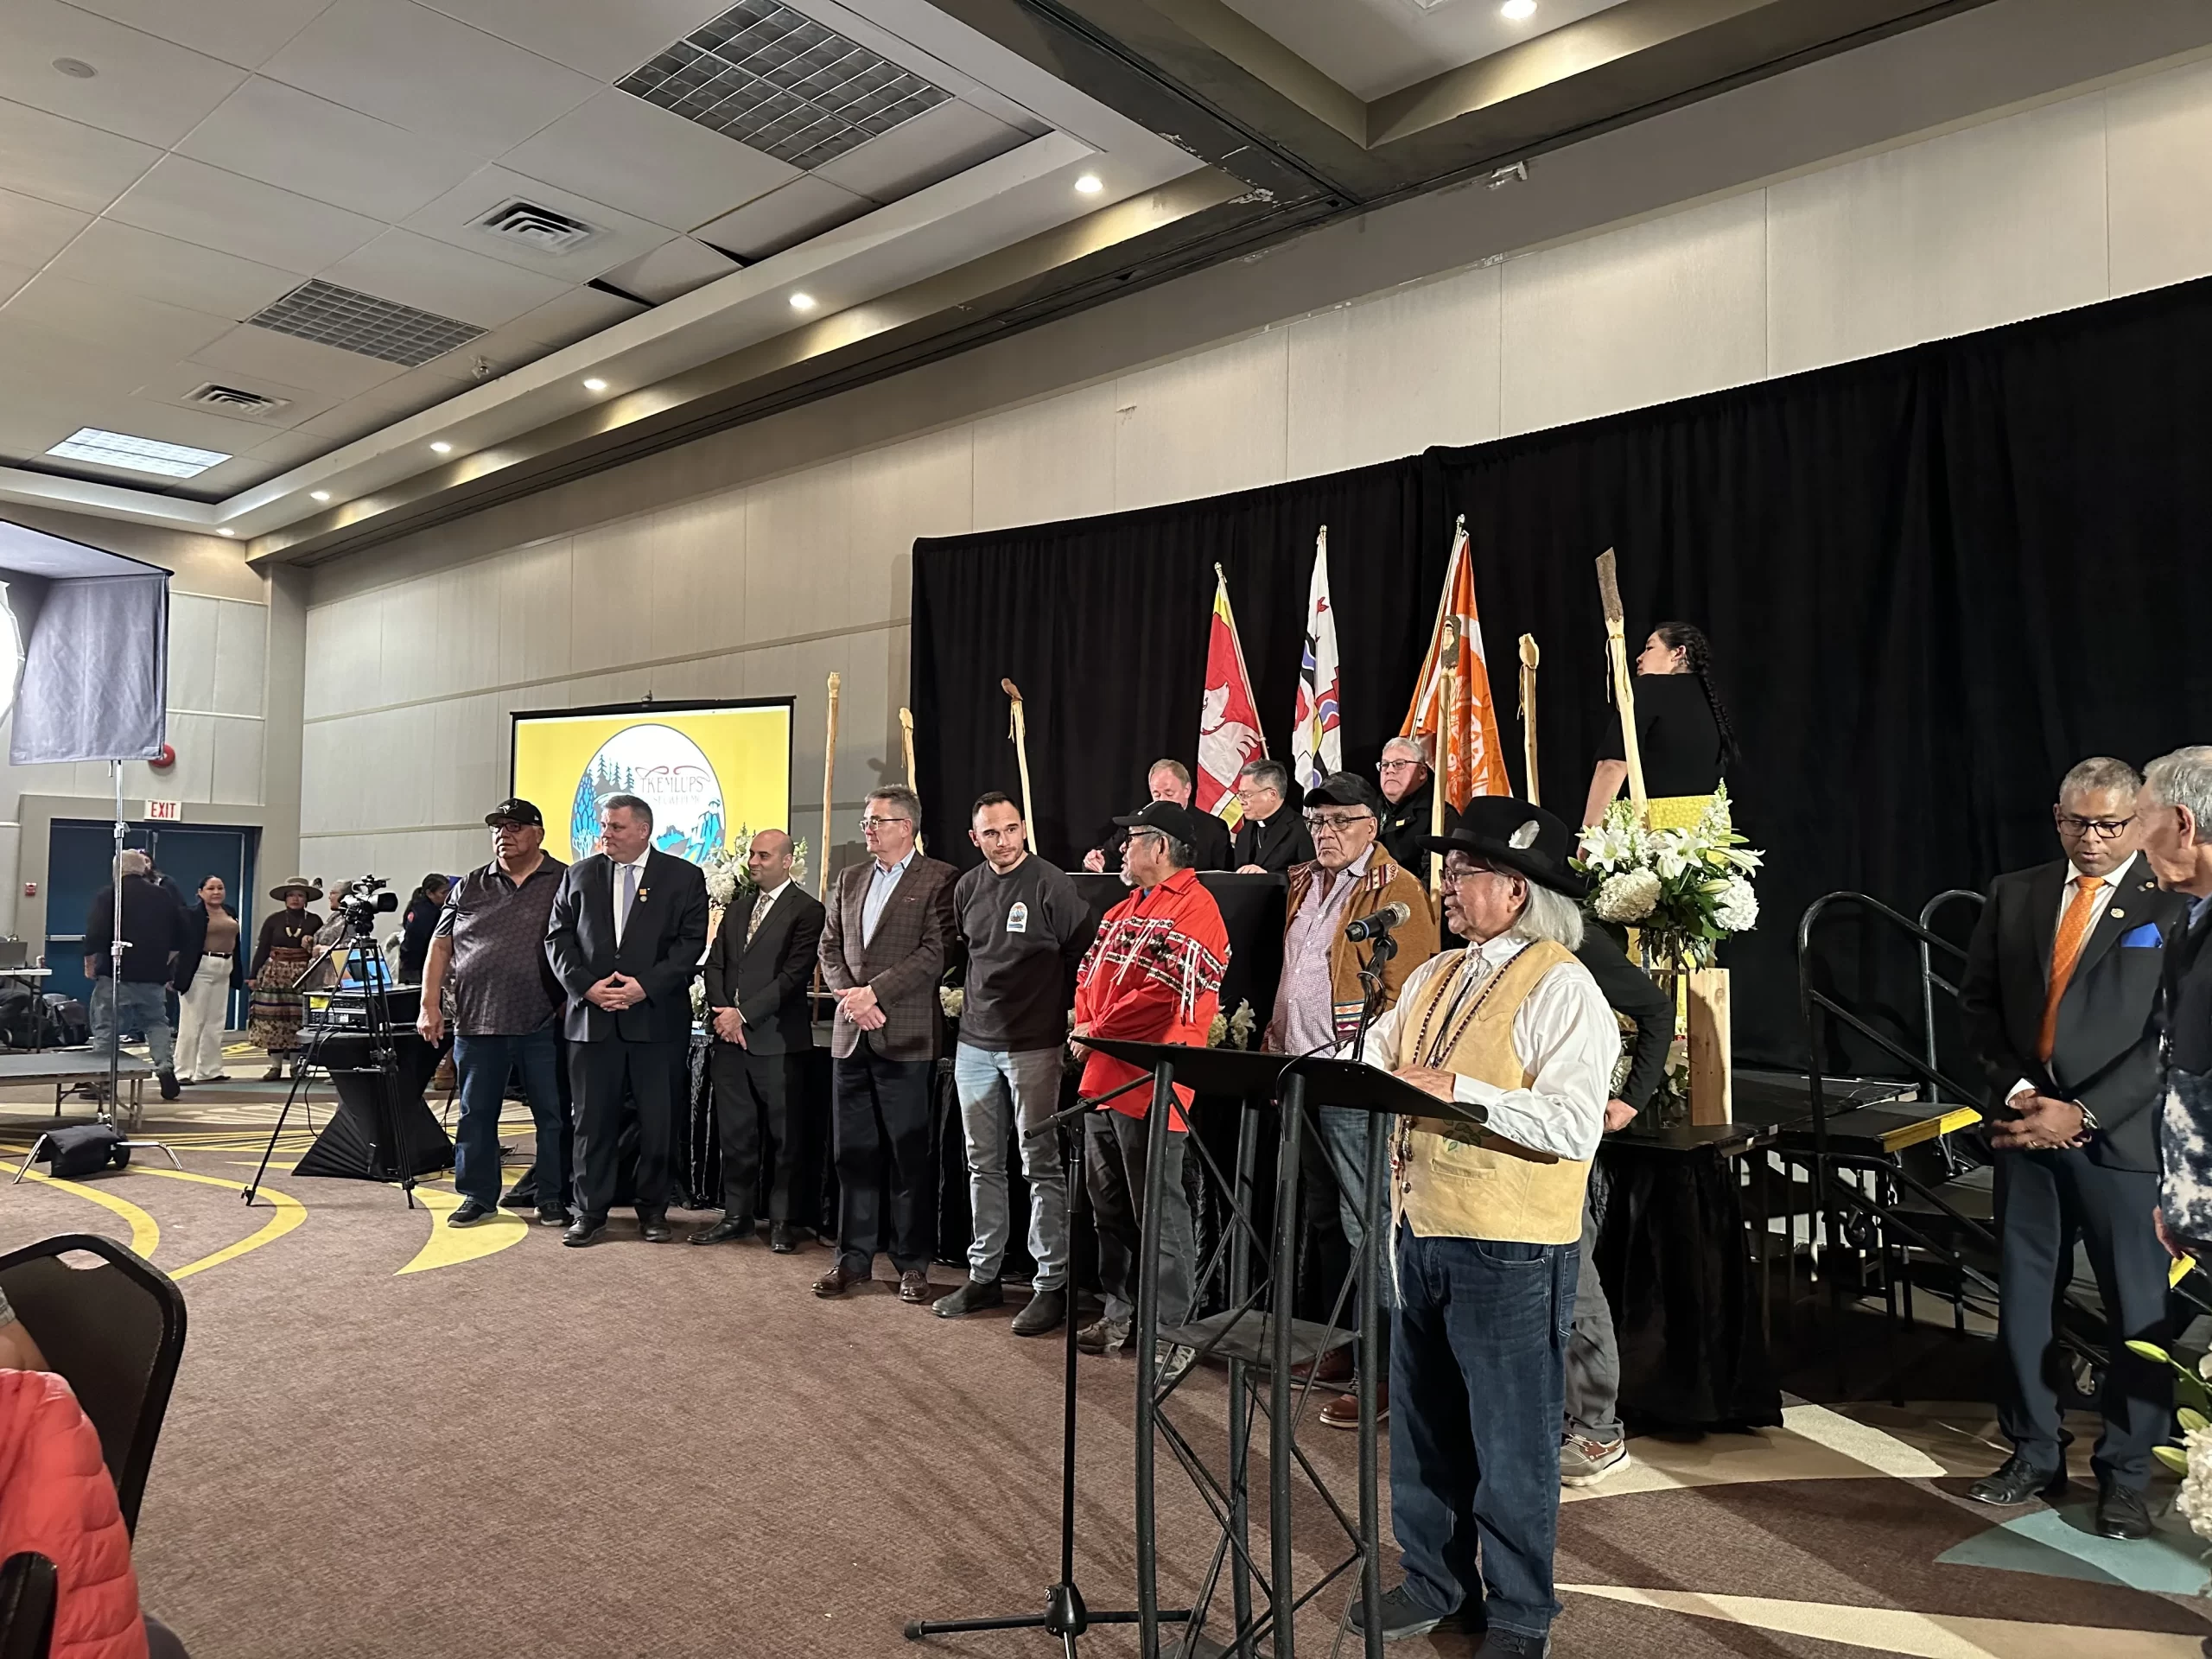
x=1451, y=705
x=1228, y=726
x=1317, y=747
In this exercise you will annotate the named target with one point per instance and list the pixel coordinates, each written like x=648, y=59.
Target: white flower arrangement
x=1690, y=887
x=728, y=876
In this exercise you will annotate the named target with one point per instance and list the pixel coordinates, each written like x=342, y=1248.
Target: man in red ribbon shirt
x=1153, y=975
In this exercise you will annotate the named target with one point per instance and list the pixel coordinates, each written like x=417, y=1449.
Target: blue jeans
x=480, y=1066
x=1344, y=1137
x=1477, y=1391
x=145, y=1005
x=994, y=1083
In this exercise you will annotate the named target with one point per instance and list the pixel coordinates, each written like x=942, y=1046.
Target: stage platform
x=65, y=1068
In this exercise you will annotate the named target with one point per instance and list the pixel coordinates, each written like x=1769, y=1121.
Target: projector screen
x=712, y=771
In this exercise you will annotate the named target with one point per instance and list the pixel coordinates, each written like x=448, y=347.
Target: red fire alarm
x=30, y=889
x=164, y=761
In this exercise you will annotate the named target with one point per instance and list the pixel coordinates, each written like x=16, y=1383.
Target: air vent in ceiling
x=540, y=227
x=780, y=83
x=354, y=322
x=235, y=400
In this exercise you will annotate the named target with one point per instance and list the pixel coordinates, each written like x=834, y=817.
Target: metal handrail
x=1929, y=979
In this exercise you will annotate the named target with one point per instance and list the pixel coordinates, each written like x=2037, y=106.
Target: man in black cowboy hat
x=1486, y=1227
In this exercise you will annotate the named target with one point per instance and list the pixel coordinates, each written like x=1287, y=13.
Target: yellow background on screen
x=749, y=751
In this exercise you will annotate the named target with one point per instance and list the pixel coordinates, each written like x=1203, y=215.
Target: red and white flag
x=1317, y=747
x=1229, y=728
x=1460, y=723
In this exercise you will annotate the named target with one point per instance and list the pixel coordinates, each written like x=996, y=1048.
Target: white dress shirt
x=1564, y=1033
x=615, y=893
x=2099, y=901
x=882, y=882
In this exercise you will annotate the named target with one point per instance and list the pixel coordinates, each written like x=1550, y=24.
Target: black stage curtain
x=1933, y=580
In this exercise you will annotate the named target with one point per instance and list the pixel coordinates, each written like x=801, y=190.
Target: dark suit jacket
x=766, y=981
x=1282, y=843
x=1628, y=990
x=660, y=948
x=912, y=942
x=2106, y=1055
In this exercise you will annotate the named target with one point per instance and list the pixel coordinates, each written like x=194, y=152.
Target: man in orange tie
x=2060, y=1002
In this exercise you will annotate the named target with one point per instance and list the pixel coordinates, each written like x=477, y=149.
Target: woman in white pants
x=207, y=970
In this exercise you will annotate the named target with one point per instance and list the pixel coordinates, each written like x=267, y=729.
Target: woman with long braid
x=1683, y=731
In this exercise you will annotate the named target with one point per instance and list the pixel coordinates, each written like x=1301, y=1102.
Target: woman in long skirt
x=285, y=950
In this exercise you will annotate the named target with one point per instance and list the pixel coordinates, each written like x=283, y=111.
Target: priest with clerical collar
x=1487, y=1224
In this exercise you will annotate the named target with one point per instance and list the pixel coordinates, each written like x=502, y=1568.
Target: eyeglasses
x=1251, y=792
x=1456, y=874
x=2102, y=829
x=1395, y=766
x=1335, y=824
x=872, y=823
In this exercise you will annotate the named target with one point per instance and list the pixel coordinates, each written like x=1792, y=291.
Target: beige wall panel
x=193, y=623
x=1966, y=231
x=469, y=774
x=1391, y=376
x=328, y=788
x=2158, y=166
x=1640, y=315
x=798, y=552
x=533, y=625
x=699, y=565
x=236, y=760
x=1046, y=461
x=241, y=666
x=1204, y=424
x=611, y=591
x=925, y=487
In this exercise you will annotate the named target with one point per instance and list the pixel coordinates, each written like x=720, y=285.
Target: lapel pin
x=2118, y=914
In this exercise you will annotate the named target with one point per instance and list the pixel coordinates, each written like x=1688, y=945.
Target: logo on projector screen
x=660, y=765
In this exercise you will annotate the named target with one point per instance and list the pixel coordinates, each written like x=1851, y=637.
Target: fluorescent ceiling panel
x=137, y=455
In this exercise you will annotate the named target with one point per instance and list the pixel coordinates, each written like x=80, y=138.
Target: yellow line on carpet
x=145, y=1231
x=450, y=1246
x=291, y=1212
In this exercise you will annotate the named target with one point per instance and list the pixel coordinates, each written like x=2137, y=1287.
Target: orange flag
x=1472, y=760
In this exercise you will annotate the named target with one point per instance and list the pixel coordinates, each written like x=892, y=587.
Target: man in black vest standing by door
x=627, y=928
x=2060, y=1000
x=758, y=970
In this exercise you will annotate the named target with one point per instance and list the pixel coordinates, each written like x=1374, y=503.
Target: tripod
x=1065, y=1615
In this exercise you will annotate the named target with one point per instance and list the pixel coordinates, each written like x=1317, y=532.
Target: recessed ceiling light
x=226, y=533
x=1517, y=11
x=1089, y=184
x=320, y=495
x=137, y=455
x=442, y=446
x=594, y=385
x=802, y=302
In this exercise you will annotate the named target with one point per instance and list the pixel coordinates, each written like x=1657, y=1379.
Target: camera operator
x=153, y=933
x=490, y=941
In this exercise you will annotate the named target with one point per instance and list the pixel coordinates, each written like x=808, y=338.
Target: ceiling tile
x=33, y=232
x=296, y=362
x=285, y=136
x=605, y=42
x=783, y=219
x=677, y=268
x=453, y=219
x=440, y=277
x=112, y=319
x=115, y=255
x=243, y=32
x=279, y=453
x=11, y=278
x=144, y=88
x=60, y=160
x=194, y=202
x=143, y=417
x=409, y=66
x=622, y=150
x=408, y=394
x=577, y=314
x=34, y=360
x=176, y=383
x=934, y=145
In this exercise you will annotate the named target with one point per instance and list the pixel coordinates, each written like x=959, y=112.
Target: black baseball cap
x=1345, y=789
x=515, y=810
x=1164, y=816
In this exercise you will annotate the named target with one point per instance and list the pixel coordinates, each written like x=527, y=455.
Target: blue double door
x=80, y=854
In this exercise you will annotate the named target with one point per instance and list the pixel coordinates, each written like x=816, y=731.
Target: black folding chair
x=27, y=1596
x=115, y=1333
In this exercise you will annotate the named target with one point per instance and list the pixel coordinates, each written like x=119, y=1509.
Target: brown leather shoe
x=1343, y=1412
x=837, y=1281
x=1335, y=1366
x=914, y=1285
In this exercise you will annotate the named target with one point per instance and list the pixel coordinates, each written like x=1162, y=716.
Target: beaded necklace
x=1432, y=1056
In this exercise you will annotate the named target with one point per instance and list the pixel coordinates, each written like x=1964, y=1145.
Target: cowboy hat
x=301, y=882
x=1511, y=834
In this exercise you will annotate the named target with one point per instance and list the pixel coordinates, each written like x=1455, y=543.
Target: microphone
x=1374, y=926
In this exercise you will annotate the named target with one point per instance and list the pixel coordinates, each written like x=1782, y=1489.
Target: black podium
x=382, y=1129
x=1264, y=1345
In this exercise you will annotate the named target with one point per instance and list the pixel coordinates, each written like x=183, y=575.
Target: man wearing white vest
x=1487, y=1227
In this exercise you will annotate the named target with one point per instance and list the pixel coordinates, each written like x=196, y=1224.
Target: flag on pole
x=1317, y=747
x=1469, y=760
x=1229, y=728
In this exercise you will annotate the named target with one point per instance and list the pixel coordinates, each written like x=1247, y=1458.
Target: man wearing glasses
x=1407, y=788
x=1320, y=997
x=885, y=939
x=2060, y=1002
x=1271, y=838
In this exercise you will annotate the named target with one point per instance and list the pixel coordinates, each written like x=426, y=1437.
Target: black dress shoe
x=974, y=1294
x=169, y=1084
x=1403, y=1616
x=585, y=1229
x=783, y=1237
x=2122, y=1512
x=553, y=1215
x=469, y=1213
x=2017, y=1482
x=727, y=1228
x=652, y=1227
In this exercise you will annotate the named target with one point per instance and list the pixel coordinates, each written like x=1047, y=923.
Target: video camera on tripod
x=365, y=899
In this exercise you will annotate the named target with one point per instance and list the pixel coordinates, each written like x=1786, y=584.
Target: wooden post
x=1712, y=1062
x=907, y=741
x=1019, y=731
x=1529, y=654
x=1609, y=593
x=1440, y=758
x=828, y=780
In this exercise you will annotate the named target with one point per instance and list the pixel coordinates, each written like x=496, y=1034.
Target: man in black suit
x=1271, y=837
x=1170, y=780
x=758, y=970
x=626, y=930
x=2061, y=1004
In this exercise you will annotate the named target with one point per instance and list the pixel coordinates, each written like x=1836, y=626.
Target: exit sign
x=164, y=811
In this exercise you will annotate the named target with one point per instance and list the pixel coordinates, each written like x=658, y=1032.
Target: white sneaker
x=1584, y=1462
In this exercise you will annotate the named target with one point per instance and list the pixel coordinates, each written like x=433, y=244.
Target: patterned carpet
x=392, y=1437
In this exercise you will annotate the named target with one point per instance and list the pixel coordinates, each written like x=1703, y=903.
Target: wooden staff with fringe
x=907, y=741
x=1609, y=594
x=1018, y=729
x=1529, y=654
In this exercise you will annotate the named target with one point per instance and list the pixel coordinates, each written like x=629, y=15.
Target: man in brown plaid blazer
x=883, y=944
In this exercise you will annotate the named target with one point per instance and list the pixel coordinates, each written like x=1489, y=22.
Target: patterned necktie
x=629, y=895
x=752, y=923
x=2065, y=951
